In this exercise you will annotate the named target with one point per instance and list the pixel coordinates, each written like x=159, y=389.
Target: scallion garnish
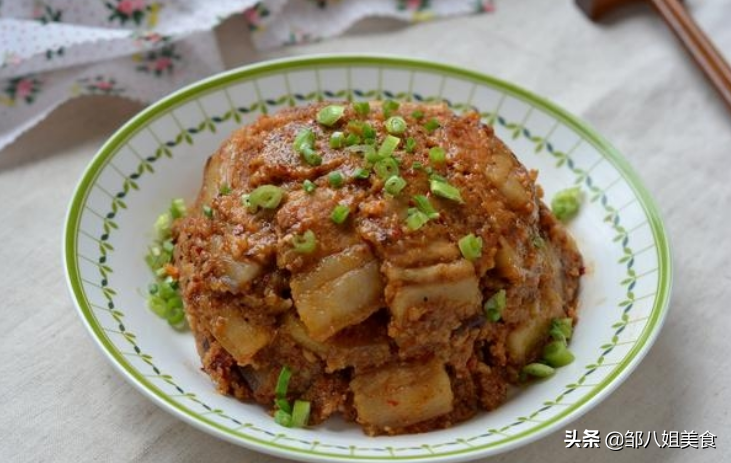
x=207, y=211
x=418, y=114
x=304, y=143
x=431, y=125
x=304, y=138
x=539, y=370
x=330, y=114
x=396, y=125
x=337, y=140
x=495, y=305
x=561, y=329
x=410, y=145
x=385, y=168
x=415, y=219
x=445, y=190
x=305, y=243
x=369, y=133
x=362, y=108
x=163, y=296
x=394, y=185
x=361, y=174
x=266, y=197
x=335, y=179
x=280, y=391
x=557, y=354
x=283, y=418
x=352, y=139
x=300, y=413
x=340, y=213
x=437, y=155
x=177, y=208
x=163, y=226
x=368, y=151
x=423, y=204
x=311, y=157
x=566, y=203
x=389, y=106
x=308, y=186
x=389, y=145
x=470, y=246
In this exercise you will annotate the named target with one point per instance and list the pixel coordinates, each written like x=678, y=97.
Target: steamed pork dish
x=391, y=263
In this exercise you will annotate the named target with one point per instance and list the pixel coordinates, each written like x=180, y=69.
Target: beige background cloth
x=60, y=401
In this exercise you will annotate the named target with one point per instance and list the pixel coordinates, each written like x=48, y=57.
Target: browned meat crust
x=409, y=299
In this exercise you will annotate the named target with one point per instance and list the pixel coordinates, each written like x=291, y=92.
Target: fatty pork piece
x=332, y=247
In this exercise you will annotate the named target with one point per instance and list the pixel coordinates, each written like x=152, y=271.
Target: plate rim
x=634, y=356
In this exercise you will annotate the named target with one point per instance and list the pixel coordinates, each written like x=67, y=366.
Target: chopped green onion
x=337, y=140
x=352, y=139
x=394, y=185
x=364, y=129
x=153, y=288
x=361, y=174
x=283, y=418
x=168, y=245
x=335, y=179
x=495, y=305
x=340, y=213
x=539, y=370
x=305, y=138
x=329, y=115
x=388, y=146
x=162, y=226
x=362, y=108
x=168, y=288
x=561, y=329
x=177, y=208
x=308, y=186
x=175, y=316
x=283, y=404
x=305, y=243
x=432, y=124
x=311, y=157
x=157, y=305
x=423, y=204
x=565, y=204
x=280, y=391
x=418, y=114
x=369, y=133
x=208, y=212
x=396, y=125
x=246, y=202
x=389, y=106
x=224, y=189
x=415, y=219
x=385, y=168
x=366, y=150
x=445, y=190
x=304, y=143
x=266, y=197
x=300, y=413
x=437, y=155
x=410, y=145
x=557, y=354
x=470, y=246
x=417, y=165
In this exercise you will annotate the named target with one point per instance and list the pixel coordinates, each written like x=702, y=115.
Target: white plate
x=160, y=154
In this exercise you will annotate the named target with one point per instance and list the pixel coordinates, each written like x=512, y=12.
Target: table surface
x=62, y=401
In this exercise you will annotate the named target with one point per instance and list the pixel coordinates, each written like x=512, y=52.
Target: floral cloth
x=53, y=50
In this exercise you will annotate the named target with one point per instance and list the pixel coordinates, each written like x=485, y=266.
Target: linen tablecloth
x=61, y=401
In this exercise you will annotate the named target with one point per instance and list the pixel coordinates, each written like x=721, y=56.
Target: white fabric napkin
x=54, y=50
